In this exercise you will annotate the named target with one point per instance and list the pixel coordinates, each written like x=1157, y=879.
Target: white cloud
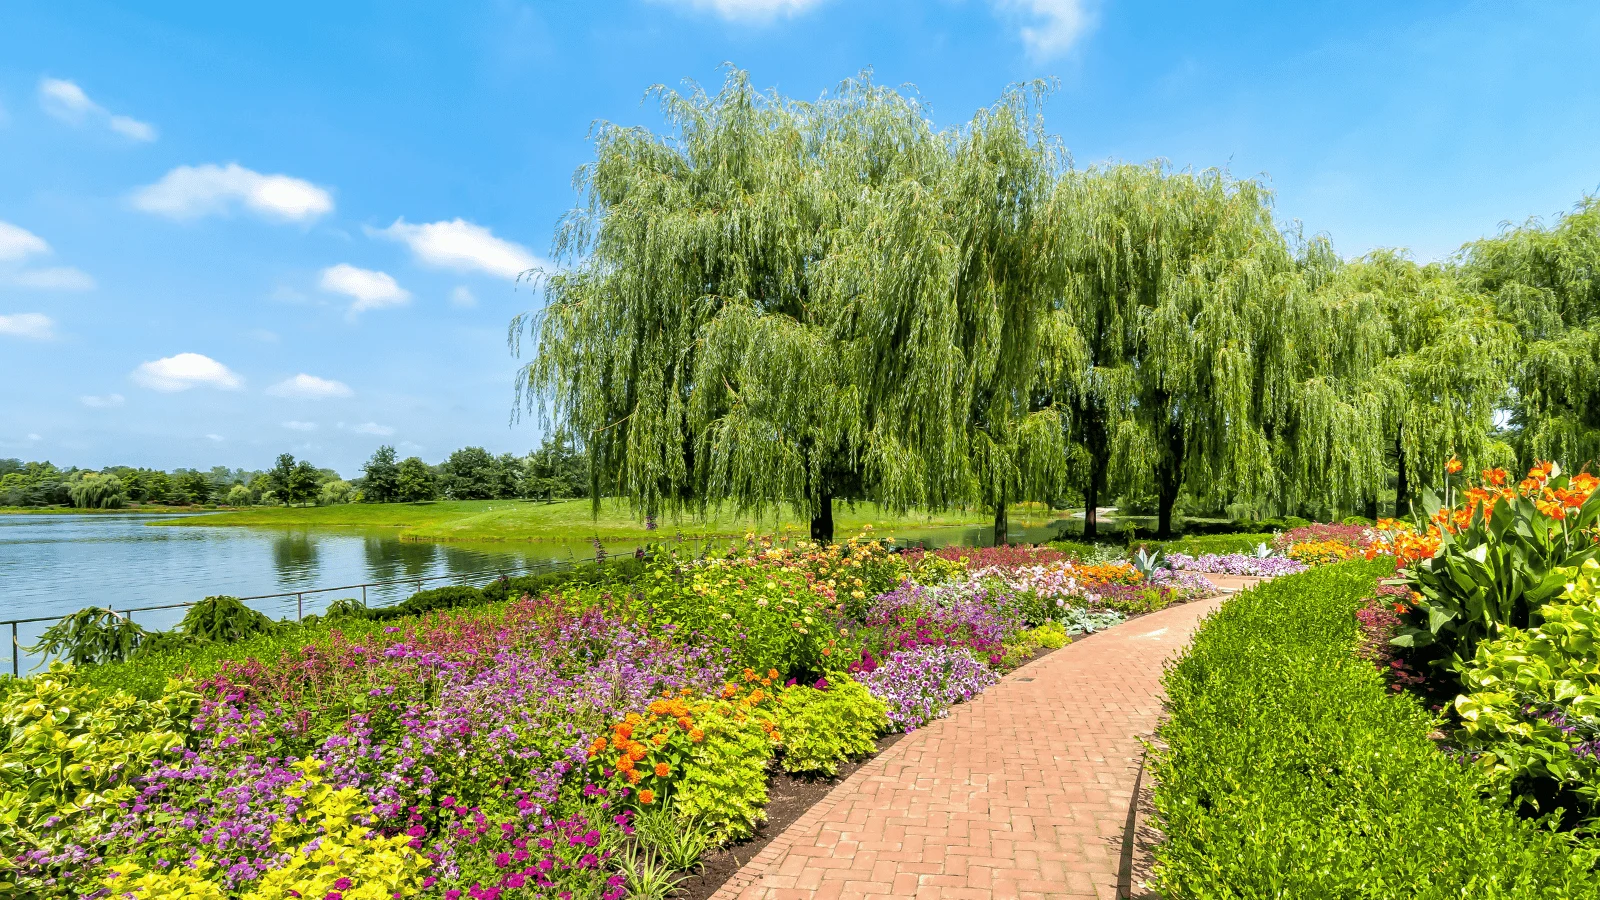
x=749, y=10
x=463, y=246
x=105, y=402
x=371, y=290
x=189, y=192
x=17, y=242
x=310, y=387
x=66, y=101
x=462, y=297
x=34, y=437
x=300, y=426
x=372, y=428
x=214, y=437
x=1056, y=24
x=56, y=278
x=184, y=371
x=34, y=326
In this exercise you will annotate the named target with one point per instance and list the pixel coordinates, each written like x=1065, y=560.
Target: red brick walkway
x=1024, y=792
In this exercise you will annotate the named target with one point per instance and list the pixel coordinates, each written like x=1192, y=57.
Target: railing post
x=299, y=607
x=14, y=650
x=363, y=595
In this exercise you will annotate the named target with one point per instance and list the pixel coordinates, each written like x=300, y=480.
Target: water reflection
x=294, y=557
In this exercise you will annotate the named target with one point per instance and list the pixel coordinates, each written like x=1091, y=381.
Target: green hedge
x=1290, y=770
x=1199, y=545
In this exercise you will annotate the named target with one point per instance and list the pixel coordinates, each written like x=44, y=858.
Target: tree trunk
x=1372, y=507
x=1169, y=479
x=1091, y=500
x=1402, y=485
x=1002, y=526
x=822, y=522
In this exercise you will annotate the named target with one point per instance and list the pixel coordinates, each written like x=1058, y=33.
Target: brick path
x=1022, y=793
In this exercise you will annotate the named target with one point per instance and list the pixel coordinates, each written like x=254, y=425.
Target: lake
x=52, y=565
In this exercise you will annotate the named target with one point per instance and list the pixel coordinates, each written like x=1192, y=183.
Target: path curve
x=1022, y=793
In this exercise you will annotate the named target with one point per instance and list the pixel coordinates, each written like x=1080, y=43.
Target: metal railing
x=300, y=597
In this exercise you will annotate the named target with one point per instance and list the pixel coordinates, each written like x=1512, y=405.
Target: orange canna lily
x=1453, y=466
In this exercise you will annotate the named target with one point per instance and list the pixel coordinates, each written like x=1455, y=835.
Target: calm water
x=51, y=565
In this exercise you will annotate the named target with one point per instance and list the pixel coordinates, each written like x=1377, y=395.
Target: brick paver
x=1022, y=793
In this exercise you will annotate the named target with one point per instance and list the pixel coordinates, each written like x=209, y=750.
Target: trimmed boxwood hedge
x=1290, y=770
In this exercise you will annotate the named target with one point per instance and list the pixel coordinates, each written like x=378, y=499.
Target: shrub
x=225, y=620
x=1291, y=771
x=90, y=636
x=724, y=783
x=453, y=597
x=822, y=728
x=770, y=617
x=71, y=753
x=1531, y=714
x=1202, y=544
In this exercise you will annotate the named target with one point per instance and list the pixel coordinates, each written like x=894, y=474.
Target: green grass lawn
x=565, y=520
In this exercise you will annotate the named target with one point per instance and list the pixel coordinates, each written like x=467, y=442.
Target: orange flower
x=659, y=739
x=685, y=722
x=623, y=730
x=729, y=691
x=696, y=736
x=1453, y=466
x=658, y=708
x=647, y=796
x=663, y=770
x=638, y=752
x=632, y=775
x=625, y=763
x=1496, y=477
x=749, y=674
x=772, y=673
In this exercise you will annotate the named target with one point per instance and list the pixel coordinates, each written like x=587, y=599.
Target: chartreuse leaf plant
x=1531, y=711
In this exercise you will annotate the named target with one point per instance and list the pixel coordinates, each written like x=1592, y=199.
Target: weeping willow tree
x=1545, y=282
x=785, y=302
x=1427, y=368
x=1179, y=290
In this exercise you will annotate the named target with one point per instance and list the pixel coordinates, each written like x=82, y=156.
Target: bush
x=724, y=783
x=1291, y=771
x=1220, y=544
x=452, y=597
x=824, y=728
x=225, y=620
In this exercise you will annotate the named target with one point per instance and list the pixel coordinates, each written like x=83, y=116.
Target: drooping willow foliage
x=784, y=303
x=1545, y=281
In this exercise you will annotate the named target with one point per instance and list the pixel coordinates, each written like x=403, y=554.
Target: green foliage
x=724, y=782
x=380, y=477
x=1496, y=571
x=92, y=490
x=469, y=474
x=71, y=752
x=414, y=481
x=1200, y=545
x=1533, y=698
x=293, y=483
x=788, y=302
x=89, y=636
x=1290, y=770
x=556, y=470
x=676, y=841
x=225, y=620
x=824, y=728
x=450, y=597
x=1545, y=281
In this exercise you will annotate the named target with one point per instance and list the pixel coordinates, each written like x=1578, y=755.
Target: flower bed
x=590, y=740
x=1236, y=564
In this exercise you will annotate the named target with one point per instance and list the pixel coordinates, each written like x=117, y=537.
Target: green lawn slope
x=564, y=520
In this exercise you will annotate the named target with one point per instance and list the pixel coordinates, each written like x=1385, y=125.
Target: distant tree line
x=554, y=471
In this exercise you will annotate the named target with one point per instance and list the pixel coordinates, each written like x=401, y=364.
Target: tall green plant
x=225, y=620
x=90, y=636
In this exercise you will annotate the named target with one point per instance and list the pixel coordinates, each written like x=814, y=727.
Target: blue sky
x=230, y=231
